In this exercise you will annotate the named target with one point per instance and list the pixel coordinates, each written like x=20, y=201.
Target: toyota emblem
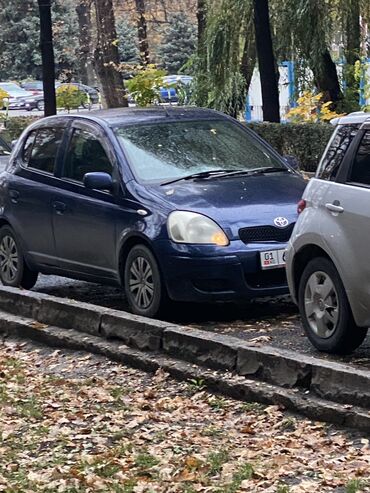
x=281, y=222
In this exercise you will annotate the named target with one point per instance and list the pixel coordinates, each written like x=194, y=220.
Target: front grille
x=265, y=233
x=273, y=278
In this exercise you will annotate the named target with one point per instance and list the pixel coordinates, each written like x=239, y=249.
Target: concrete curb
x=222, y=382
x=331, y=381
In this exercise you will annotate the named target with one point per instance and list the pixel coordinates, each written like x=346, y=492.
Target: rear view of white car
x=328, y=264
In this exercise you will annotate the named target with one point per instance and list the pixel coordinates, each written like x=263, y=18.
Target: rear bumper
x=234, y=276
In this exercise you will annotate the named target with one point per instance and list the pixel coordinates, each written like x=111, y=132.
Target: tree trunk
x=142, y=30
x=106, y=55
x=201, y=93
x=47, y=54
x=202, y=24
x=266, y=62
x=83, y=10
x=352, y=54
x=326, y=78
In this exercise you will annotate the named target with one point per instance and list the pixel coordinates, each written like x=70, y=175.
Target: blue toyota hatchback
x=178, y=204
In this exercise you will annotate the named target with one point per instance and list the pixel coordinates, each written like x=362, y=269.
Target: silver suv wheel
x=326, y=314
x=321, y=304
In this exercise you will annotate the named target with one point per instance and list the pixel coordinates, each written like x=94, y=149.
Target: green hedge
x=15, y=125
x=304, y=141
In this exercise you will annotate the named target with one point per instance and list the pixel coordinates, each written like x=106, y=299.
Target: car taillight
x=301, y=206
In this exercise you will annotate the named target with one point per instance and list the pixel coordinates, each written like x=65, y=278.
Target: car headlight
x=191, y=227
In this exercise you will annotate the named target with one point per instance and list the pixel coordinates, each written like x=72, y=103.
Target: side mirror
x=98, y=181
x=292, y=161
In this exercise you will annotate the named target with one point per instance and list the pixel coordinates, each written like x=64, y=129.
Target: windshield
x=162, y=151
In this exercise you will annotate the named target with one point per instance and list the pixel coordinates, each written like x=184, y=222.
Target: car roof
x=122, y=116
x=354, y=118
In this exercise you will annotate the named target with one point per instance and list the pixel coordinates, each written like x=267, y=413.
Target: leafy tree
x=20, y=56
x=145, y=86
x=305, y=28
x=224, y=72
x=70, y=97
x=179, y=43
x=128, y=43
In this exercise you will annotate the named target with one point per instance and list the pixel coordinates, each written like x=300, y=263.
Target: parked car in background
x=170, y=203
x=17, y=95
x=172, y=87
x=37, y=100
x=33, y=86
x=327, y=267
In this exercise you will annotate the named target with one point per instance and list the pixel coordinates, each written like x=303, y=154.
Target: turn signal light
x=220, y=239
x=301, y=206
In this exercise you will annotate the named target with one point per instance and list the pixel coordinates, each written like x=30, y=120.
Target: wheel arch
x=4, y=222
x=301, y=259
x=125, y=248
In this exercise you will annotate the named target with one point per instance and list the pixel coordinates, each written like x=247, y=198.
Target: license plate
x=272, y=259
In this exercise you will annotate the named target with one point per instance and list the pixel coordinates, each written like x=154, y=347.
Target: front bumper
x=211, y=274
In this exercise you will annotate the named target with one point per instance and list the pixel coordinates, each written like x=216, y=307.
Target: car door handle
x=334, y=207
x=59, y=207
x=14, y=196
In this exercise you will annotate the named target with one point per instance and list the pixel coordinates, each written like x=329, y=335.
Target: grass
x=145, y=461
x=244, y=473
x=216, y=460
x=282, y=488
x=355, y=485
x=217, y=403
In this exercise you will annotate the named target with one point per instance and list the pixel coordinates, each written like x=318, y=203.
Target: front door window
x=85, y=155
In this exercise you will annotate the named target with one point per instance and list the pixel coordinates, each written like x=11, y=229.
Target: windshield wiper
x=202, y=174
x=258, y=171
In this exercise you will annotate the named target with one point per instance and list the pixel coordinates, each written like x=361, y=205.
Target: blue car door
x=31, y=182
x=84, y=220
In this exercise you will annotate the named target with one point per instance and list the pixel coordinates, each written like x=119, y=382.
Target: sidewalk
x=72, y=421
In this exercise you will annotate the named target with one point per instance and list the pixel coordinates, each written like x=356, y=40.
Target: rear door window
x=40, y=150
x=337, y=148
x=360, y=170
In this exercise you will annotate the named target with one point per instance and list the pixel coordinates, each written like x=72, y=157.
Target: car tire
x=144, y=287
x=326, y=314
x=13, y=268
x=40, y=105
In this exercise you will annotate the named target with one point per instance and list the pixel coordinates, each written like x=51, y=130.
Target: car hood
x=237, y=202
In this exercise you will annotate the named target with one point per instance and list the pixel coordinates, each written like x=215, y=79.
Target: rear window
x=335, y=151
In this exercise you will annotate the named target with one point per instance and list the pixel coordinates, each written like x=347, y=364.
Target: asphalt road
x=272, y=321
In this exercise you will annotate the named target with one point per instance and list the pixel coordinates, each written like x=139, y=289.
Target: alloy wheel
x=321, y=304
x=141, y=282
x=8, y=259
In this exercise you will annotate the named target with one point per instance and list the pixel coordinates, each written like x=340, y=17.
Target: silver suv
x=328, y=265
